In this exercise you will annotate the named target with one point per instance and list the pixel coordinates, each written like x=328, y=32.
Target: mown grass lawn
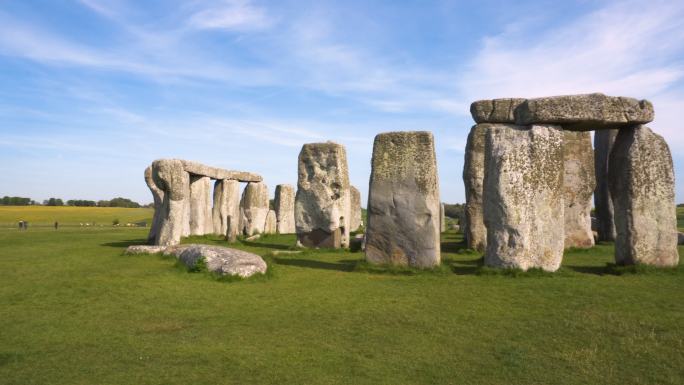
x=75, y=310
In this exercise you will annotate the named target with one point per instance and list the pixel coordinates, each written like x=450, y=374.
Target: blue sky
x=92, y=91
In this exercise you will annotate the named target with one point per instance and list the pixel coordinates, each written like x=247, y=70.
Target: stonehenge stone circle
x=200, y=209
x=177, y=204
x=270, y=226
x=254, y=207
x=284, y=208
x=474, y=230
x=403, y=203
x=226, y=205
x=603, y=144
x=579, y=183
x=522, y=210
x=641, y=178
x=355, y=216
x=323, y=201
x=523, y=196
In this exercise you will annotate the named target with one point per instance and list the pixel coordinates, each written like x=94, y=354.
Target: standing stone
x=579, y=183
x=474, y=230
x=403, y=201
x=226, y=205
x=169, y=176
x=442, y=219
x=355, y=208
x=603, y=145
x=284, y=208
x=271, y=222
x=322, y=203
x=158, y=196
x=200, y=206
x=254, y=207
x=641, y=178
x=523, y=196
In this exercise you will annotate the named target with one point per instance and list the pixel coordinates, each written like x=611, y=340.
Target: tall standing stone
x=523, y=196
x=603, y=145
x=579, y=183
x=641, y=178
x=226, y=205
x=403, y=201
x=270, y=225
x=169, y=176
x=254, y=207
x=355, y=208
x=284, y=208
x=322, y=203
x=474, y=229
x=442, y=218
x=200, y=206
x=158, y=196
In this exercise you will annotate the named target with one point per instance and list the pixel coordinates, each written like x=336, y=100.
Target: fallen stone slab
x=222, y=260
x=585, y=112
x=144, y=249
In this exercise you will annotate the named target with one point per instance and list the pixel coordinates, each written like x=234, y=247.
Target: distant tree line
x=453, y=210
x=116, y=202
x=16, y=201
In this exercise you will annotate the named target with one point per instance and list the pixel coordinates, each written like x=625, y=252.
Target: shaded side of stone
x=158, y=196
x=579, y=183
x=473, y=226
x=523, y=197
x=641, y=178
x=603, y=145
x=403, y=201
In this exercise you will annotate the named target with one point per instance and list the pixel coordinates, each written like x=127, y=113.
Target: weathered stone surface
x=403, y=203
x=323, y=201
x=254, y=206
x=219, y=173
x=200, y=206
x=641, y=180
x=158, y=196
x=144, y=249
x=355, y=205
x=585, y=112
x=222, y=260
x=495, y=110
x=523, y=197
x=603, y=145
x=271, y=222
x=579, y=183
x=226, y=205
x=284, y=207
x=474, y=230
x=169, y=176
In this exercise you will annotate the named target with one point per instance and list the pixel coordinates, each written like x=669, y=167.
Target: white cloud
x=232, y=15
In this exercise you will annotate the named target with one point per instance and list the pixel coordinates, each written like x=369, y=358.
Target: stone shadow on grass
x=125, y=243
x=346, y=265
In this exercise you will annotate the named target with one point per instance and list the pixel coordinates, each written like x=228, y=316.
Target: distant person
x=25, y=225
x=56, y=225
x=21, y=225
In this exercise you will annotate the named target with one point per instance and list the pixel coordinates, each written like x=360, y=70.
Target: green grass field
x=75, y=310
x=71, y=216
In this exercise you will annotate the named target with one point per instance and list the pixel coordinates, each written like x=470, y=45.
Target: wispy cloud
x=231, y=15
